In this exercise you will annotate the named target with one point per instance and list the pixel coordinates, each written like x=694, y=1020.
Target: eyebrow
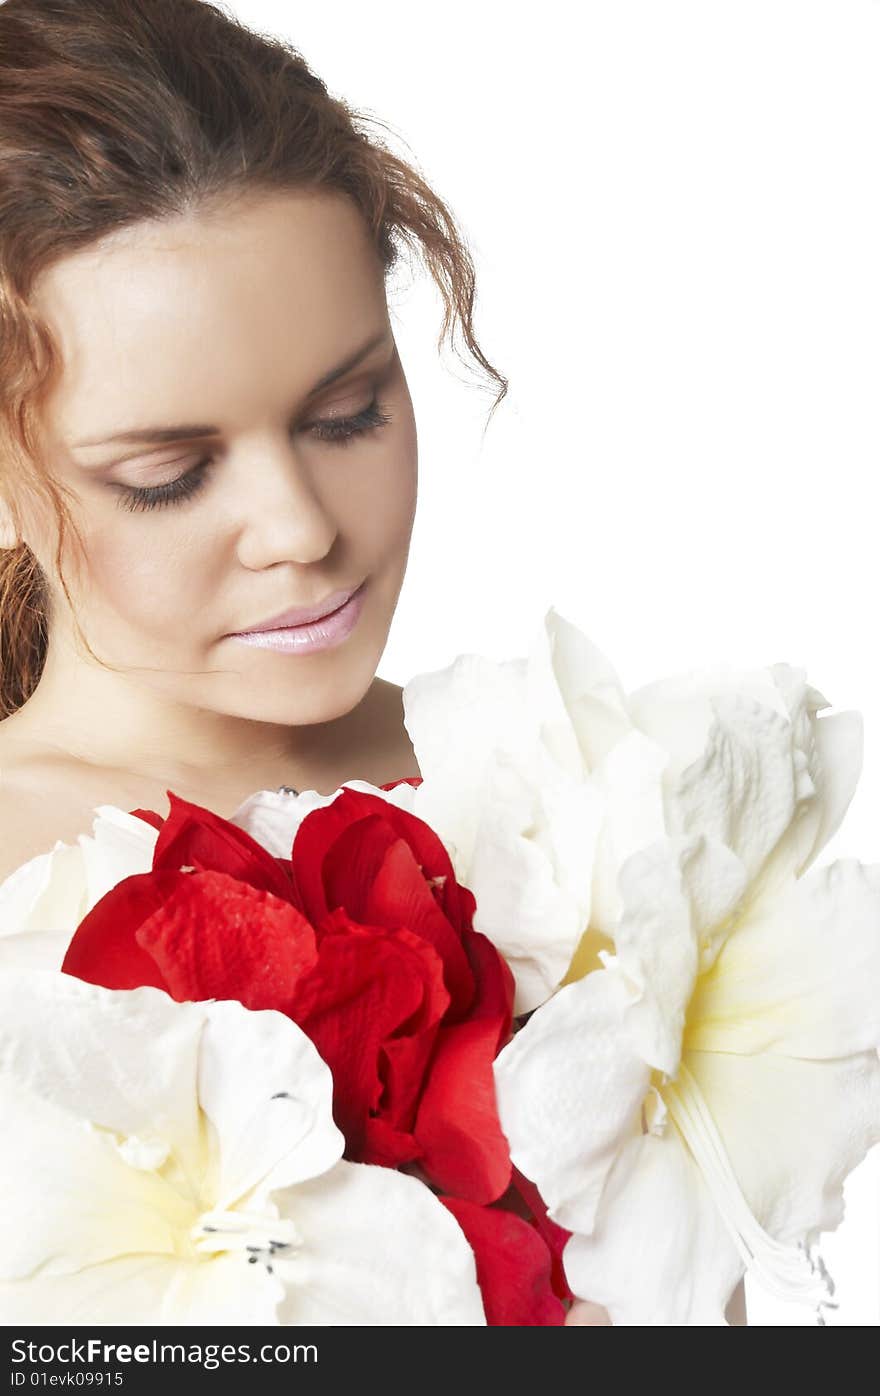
x=187, y=432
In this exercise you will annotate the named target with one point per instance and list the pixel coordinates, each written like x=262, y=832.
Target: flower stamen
x=247, y=1232
x=790, y=1272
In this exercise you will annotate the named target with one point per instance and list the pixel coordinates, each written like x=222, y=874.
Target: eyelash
x=340, y=431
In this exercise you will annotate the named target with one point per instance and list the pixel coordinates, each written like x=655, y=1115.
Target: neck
x=115, y=722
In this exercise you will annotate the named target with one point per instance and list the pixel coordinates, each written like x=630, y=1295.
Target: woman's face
x=217, y=330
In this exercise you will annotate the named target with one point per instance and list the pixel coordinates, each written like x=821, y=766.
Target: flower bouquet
x=570, y=1015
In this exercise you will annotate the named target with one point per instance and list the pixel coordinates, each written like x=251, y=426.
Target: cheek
x=375, y=500
x=143, y=575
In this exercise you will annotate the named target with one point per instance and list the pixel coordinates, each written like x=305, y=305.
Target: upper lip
x=301, y=615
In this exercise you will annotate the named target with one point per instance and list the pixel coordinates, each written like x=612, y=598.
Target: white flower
x=692, y=1108
x=541, y=776
x=44, y=900
x=177, y=1163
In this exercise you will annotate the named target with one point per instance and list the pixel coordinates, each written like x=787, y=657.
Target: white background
x=675, y=214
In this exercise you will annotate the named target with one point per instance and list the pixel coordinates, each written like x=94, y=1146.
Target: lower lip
x=320, y=634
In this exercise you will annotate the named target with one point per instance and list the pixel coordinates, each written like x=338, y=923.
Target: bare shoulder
x=23, y=831
x=39, y=804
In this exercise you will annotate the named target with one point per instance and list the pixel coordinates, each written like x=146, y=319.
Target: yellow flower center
x=189, y=1224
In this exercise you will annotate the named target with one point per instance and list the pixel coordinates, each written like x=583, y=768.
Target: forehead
x=209, y=310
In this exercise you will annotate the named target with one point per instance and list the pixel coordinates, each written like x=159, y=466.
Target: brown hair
x=113, y=111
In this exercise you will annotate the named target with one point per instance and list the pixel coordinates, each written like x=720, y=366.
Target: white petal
x=269, y=1096
x=630, y=778
x=43, y=901
x=679, y=711
x=22, y=888
x=48, y=892
x=568, y=1086
x=800, y=973
x=378, y=1248
x=835, y=751
x=147, y=1290
x=40, y=950
x=458, y=718
x=659, y=1253
x=272, y=818
x=121, y=845
x=68, y=1199
x=746, y=787
x=717, y=885
x=747, y=748
x=125, y=1059
x=793, y=1129
x=657, y=947
x=594, y=701
x=530, y=873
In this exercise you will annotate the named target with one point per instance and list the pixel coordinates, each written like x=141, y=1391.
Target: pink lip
x=301, y=615
x=315, y=634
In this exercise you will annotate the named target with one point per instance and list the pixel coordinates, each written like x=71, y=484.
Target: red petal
x=369, y=985
x=103, y=949
x=314, y=838
x=350, y=864
x=404, y=1062
x=217, y=938
x=150, y=816
x=399, y=895
x=464, y=1147
x=193, y=836
x=322, y=827
x=387, y=1146
x=495, y=984
x=456, y=902
x=351, y=854
x=464, y=1150
x=513, y=1266
x=554, y=1235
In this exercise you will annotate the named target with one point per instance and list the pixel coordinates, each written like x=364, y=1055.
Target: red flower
x=364, y=938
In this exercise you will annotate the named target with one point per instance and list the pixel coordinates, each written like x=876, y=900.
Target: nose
x=279, y=509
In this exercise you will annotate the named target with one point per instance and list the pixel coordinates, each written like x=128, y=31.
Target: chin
x=312, y=689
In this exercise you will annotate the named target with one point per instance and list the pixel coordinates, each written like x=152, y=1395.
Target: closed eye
x=337, y=431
